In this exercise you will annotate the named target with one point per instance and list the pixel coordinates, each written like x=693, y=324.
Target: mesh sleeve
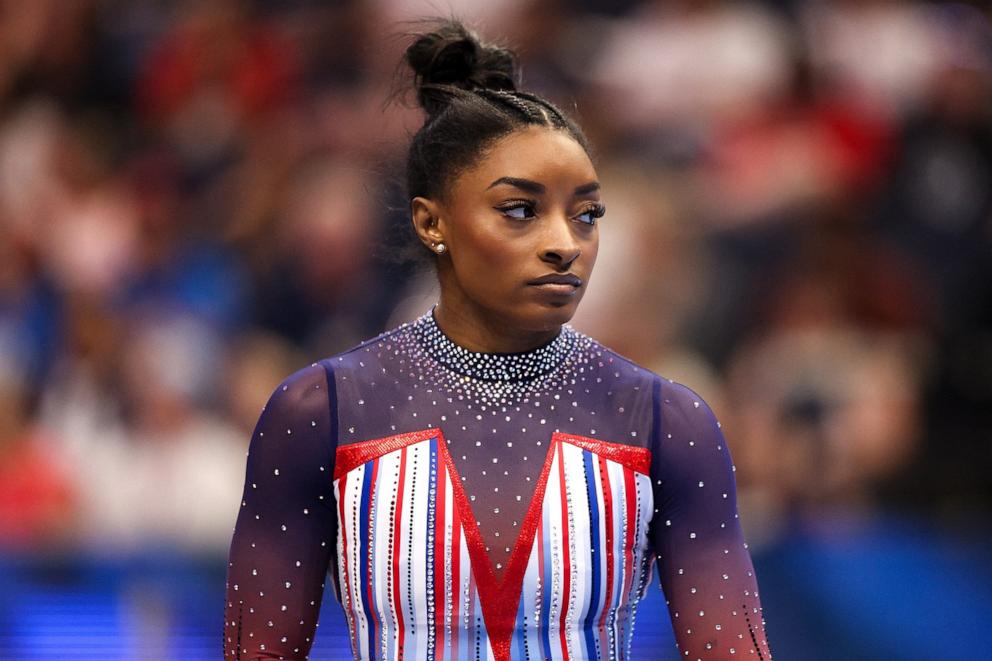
x=283, y=540
x=703, y=562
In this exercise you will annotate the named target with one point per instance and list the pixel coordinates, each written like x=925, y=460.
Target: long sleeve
x=284, y=538
x=705, y=569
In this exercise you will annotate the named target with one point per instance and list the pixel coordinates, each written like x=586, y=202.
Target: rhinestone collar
x=497, y=367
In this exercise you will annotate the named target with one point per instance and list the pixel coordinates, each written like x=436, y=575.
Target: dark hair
x=469, y=91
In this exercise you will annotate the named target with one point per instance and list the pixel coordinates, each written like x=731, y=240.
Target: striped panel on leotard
x=416, y=585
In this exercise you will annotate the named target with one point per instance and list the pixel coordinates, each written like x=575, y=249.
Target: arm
x=285, y=533
x=703, y=562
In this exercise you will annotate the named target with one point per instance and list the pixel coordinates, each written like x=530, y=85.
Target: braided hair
x=469, y=91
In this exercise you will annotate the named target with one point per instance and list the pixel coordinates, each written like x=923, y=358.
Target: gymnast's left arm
x=703, y=561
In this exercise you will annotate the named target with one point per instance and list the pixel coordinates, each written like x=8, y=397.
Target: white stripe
x=352, y=502
x=580, y=545
x=644, y=561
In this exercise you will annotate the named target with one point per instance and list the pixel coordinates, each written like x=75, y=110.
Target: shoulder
x=673, y=401
x=681, y=398
x=303, y=393
x=366, y=351
x=613, y=366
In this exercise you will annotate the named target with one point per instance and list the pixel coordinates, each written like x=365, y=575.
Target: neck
x=483, y=331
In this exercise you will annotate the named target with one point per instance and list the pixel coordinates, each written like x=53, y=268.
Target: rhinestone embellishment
x=506, y=368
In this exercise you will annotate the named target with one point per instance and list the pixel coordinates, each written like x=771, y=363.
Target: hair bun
x=452, y=56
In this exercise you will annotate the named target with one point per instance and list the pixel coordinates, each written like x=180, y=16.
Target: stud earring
x=439, y=248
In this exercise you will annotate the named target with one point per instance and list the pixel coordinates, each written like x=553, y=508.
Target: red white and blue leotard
x=487, y=506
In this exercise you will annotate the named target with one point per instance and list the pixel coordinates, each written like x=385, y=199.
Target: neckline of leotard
x=493, y=367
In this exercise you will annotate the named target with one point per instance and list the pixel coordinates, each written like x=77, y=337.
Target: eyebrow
x=538, y=188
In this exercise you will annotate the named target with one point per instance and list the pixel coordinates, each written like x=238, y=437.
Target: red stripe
x=566, y=562
x=631, y=456
x=604, y=478
x=397, y=545
x=348, y=457
x=439, y=519
x=343, y=527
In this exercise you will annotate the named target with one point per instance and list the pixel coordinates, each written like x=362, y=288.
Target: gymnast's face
x=520, y=230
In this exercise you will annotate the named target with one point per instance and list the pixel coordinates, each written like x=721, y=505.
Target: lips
x=558, y=286
x=557, y=279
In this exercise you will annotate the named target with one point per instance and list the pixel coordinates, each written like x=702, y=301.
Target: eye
x=519, y=210
x=589, y=215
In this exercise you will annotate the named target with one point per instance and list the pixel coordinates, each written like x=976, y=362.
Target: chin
x=548, y=316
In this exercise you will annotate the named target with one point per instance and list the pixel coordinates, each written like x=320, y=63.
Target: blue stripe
x=363, y=536
x=590, y=619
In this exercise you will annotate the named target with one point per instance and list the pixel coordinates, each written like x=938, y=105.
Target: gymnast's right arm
x=284, y=538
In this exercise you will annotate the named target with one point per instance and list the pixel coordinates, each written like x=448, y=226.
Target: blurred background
x=198, y=198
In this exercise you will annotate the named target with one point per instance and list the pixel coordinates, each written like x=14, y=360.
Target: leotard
x=487, y=506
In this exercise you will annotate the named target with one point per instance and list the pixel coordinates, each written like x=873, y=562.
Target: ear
x=426, y=217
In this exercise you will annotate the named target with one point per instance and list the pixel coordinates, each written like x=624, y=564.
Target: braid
x=556, y=117
x=510, y=101
x=528, y=106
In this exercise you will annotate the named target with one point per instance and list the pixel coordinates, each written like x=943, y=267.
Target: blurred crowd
x=198, y=198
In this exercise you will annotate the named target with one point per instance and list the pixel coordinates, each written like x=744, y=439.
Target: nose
x=560, y=248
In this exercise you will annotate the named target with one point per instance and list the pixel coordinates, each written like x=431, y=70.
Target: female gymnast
x=487, y=482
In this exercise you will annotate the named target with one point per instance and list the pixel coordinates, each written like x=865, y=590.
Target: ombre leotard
x=487, y=506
